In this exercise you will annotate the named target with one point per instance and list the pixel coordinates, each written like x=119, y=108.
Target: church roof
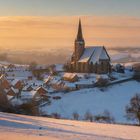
x=94, y=54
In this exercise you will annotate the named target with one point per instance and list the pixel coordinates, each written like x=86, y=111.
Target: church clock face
x=80, y=43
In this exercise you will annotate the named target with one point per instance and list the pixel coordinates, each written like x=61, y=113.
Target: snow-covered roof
x=71, y=85
x=38, y=88
x=14, y=81
x=15, y=90
x=99, y=54
x=2, y=77
x=87, y=54
x=69, y=75
x=94, y=54
x=27, y=95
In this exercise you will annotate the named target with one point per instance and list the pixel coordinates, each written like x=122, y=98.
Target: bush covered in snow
x=75, y=115
x=88, y=116
x=133, y=109
x=105, y=117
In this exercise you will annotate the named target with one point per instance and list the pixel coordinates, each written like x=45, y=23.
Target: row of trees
x=132, y=113
x=104, y=117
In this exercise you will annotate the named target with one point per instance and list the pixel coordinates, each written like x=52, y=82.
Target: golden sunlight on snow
x=39, y=128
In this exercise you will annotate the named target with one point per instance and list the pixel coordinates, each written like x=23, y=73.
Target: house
x=71, y=77
x=47, y=81
x=17, y=84
x=28, y=88
x=11, y=67
x=4, y=82
x=90, y=59
x=69, y=87
x=41, y=91
x=12, y=92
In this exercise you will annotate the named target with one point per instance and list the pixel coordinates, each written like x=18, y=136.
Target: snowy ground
x=114, y=99
x=37, y=128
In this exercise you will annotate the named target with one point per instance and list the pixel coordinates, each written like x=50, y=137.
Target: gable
x=87, y=54
x=99, y=54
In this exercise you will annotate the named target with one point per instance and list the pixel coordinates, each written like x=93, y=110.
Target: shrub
x=5, y=105
x=105, y=117
x=102, y=82
x=56, y=115
x=32, y=66
x=88, y=116
x=133, y=109
x=75, y=116
x=29, y=108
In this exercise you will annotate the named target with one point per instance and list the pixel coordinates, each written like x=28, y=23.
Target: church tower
x=79, y=43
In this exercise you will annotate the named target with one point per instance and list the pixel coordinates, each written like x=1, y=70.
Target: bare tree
x=56, y=115
x=133, y=109
x=75, y=116
x=32, y=66
x=5, y=105
x=105, y=117
x=29, y=108
x=88, y=116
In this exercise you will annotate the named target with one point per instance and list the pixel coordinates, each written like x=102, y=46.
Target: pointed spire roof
x=79, y=34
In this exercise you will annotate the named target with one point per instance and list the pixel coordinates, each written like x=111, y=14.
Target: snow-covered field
x=20, y=127
x=113, y=98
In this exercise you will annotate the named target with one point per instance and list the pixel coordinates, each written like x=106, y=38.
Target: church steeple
x=79, y=34
x=79, y=43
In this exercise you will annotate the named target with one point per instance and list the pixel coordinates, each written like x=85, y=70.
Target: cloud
x=61, y=31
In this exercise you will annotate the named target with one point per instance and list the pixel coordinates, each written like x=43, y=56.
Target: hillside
x=26, y=127
x=113, y=98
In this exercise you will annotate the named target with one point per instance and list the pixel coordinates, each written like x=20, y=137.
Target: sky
x=69, y=7
x=53, y=23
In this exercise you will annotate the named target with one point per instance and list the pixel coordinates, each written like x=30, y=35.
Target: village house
x=41, y=91
x=4, y=82
x=17, y=84
x=71, y=77
x=28, y=88
x=12, y=92
x=88, y=59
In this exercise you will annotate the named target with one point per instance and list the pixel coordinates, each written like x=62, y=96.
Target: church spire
x=79, y=34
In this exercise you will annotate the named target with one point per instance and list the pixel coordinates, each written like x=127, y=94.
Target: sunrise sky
x=53, y=23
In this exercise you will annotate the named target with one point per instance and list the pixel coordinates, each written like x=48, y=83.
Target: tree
x=105, y=117
x=5, y=105
x=32, y=66
x=88, y=116
x=29, y=108
x=101, y=82
x=56, y=115
x=133, y=109
x=75, y=116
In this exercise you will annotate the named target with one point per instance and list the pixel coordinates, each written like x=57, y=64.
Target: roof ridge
x=91, y=54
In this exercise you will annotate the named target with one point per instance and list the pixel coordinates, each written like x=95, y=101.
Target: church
x=88, y=59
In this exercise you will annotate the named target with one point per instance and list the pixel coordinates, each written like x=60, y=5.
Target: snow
x=87, y=54
x=59, y=67
x=27, y=95
x=94, y=54
x=98, y=54
x=38, y=128
x=113, y=98
x=14, y=82
x=69, y=75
